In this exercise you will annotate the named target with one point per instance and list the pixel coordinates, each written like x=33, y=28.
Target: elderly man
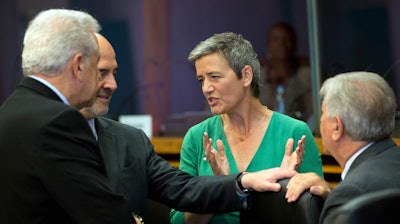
x=50, y=163
x=358, y=117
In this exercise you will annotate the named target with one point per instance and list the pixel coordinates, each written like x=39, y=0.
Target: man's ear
x=77, y=65
x=338, y=128
x=247, y=75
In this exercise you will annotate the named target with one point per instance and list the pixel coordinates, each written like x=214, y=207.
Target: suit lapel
x=108, y=147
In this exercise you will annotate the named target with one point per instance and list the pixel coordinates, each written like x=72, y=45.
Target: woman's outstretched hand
x=292, y=160
x=217, y=159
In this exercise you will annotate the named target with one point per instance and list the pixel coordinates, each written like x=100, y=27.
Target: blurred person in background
x=285, y=76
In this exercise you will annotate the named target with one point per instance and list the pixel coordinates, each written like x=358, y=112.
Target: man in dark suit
x=51, y=167
x=137, y=172
x=358, y=117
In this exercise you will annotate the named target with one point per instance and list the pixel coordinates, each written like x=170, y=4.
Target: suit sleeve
x=72, y=170
x=182, y=191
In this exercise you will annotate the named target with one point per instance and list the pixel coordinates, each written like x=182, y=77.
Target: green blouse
x=268, y=155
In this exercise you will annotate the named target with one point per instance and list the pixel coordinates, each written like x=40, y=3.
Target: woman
x=252, y=136
x=286, y=77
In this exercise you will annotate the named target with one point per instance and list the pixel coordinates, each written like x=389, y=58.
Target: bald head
x=106, y=49
x=107, y=85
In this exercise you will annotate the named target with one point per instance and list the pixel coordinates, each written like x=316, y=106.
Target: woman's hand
x=292, y=160
x=217, y=159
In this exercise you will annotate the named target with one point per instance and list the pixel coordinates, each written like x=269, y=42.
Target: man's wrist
x=242, y=192
x=239, y=183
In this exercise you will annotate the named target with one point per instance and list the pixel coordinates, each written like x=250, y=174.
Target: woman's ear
x=247, y=75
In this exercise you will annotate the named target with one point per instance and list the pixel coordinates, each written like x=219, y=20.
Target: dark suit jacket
x=378, y=167
x=136, y=171
x=50, y=165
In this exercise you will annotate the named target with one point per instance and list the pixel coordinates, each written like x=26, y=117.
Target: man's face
x=326, y=129
x=107, y=67
x=89, y=77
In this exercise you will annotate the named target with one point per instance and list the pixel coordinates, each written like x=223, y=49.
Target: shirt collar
x=55, y=90
x=93, y=127
x=352, y=158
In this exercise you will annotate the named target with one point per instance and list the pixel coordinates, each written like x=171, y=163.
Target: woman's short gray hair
x=237, y=51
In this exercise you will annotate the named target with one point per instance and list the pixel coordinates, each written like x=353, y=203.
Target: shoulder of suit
x=116, y=124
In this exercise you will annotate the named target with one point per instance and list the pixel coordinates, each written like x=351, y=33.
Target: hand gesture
x=266, y=180
x=217, y=159
x=292, y=160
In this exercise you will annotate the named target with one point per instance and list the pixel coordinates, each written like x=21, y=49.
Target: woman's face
x=220, y=85
x=280, y=43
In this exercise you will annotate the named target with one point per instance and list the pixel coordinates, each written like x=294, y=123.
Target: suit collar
x=375, y=149
x=39, y=87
